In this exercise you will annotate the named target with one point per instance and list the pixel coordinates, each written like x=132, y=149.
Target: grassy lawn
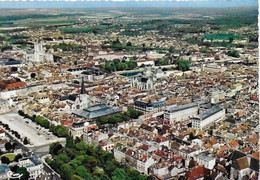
x=10, y=156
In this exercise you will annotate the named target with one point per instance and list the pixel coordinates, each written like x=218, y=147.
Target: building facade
x=38, y=55
x=181, y=112
x=208, y=117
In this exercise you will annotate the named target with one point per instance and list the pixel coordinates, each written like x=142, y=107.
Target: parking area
x=26, y=128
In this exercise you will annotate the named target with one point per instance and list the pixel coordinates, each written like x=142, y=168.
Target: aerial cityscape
x=129, y=90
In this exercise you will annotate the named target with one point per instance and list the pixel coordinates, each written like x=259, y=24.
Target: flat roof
x=209, y=113
x=182, y=107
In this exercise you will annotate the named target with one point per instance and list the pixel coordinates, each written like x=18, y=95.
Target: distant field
x=11, y=28
x=222, y=36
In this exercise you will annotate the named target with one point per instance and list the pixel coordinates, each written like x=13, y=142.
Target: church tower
x=38, y=53
x=82, y=91
x=84, y=98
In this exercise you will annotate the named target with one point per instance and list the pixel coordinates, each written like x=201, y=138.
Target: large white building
x=142, y=83
x=181, y=112
x=38, y=55
x=144, y=164
x=213, y=67
x=33, y=165
x=207, y=161
x=208, y=117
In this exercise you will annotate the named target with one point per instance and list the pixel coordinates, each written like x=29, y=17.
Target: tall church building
x=38, y=55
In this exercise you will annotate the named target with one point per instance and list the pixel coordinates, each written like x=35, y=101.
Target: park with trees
x=78, y=160
x=113, y=120
x=117, y=65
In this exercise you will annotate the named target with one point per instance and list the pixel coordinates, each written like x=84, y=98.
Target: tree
x=17, y=157
x=66, y=171
x=69, y=142
x=98, y=172
x=104, y=177
x=134, y=114
x=62, y=157
x=8, y=146
x=25, y=141
x=75, y=177
x=5, y=160
x=14, y=69
x=134, y=174
x=33, y=75
x=230, y=40
x=233, y=53
x=55, y=148
x=128, y=43
x=61, y=131
x=82, y=172
x=183, y=65
x=24, y=172
x=171, y=49
x=119, y=174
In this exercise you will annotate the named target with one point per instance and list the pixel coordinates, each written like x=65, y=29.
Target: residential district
x=196, y=116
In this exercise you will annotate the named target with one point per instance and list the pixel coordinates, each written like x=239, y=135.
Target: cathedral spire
x=82, y=91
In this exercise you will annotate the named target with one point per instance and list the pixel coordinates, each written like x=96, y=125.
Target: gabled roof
x=241, y=163
x=144, y=147
x=223, y=148
x=233, y=143
x=161, y=139
x=255, y=155
x=236, y=155
x=254, y=164
x=196, y=173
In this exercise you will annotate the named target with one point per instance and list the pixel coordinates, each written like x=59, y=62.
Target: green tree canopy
x=183, y=65
x=119, y=174
x=55, y=148
x=24, y=172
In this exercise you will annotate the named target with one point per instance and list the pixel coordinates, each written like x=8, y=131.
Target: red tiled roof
x=103, y=143
x=252, y=140
x=213, y=141
x=196, y=173
x=88, y=65
x=2, y=131
x=161, y=139
x=247, y=149
x=144, y=158
x=221, y=154
x=160, y=153
x=223, y=148
x=145, y=147
x=255, y=155
x=129, y=152
x=15, y=85
x=233, y=143
x=67, y=123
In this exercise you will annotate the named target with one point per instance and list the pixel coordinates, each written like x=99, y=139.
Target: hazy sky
x=125, y=3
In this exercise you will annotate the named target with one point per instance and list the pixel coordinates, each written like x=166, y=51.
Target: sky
x=127, y=3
